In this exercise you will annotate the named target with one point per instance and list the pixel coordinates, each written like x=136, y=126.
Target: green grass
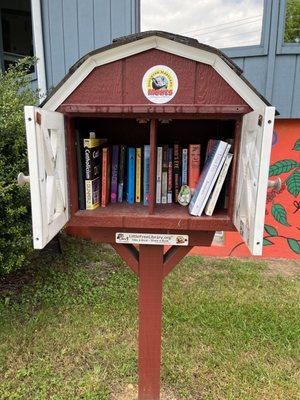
x=230, y=331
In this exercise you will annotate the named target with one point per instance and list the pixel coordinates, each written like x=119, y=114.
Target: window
x=292, y=22
x=219, y=23
x=16, y=31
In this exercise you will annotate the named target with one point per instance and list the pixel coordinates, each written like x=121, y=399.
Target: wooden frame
x=282, y=47
x=151, y=216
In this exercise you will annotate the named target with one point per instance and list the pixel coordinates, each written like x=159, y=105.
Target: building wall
x=73, y=28
x=273, y=67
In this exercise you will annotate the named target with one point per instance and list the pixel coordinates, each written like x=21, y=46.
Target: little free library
x=151, y=144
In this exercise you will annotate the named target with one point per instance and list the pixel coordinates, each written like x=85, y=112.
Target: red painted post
x=150, y=313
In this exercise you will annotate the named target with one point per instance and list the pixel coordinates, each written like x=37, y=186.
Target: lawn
x=68, y=329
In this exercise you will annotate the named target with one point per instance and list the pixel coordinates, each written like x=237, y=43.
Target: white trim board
x=169, y=46
x=37, y=30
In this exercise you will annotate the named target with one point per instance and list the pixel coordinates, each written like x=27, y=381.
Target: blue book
x=130, y=175
x=184, y=167
x=146, y=174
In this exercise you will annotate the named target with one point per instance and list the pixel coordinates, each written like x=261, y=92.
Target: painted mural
x=282, y=223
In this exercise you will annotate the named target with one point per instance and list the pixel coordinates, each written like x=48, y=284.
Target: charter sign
x=160, y=84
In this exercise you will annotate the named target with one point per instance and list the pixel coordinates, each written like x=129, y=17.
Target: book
x=170, y=175
x=211, y=185
x=210, y=145
x=92, y=156
x=164, y=177
x=92, y=193
x=121, y=173
x=130, y=174
x=208, y=177
x=176, y=169
x=80, y=169
x=105, y=184
x=158, y=174
x=212, y=200
x=138, y=174
x=114, y=173
x=184, y=167
x=194, y=165
x=146, y=175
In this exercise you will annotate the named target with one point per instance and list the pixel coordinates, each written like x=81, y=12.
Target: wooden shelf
x=137, y=216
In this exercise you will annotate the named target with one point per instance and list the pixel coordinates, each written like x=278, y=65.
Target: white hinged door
x=48, y=175
x=252, y=177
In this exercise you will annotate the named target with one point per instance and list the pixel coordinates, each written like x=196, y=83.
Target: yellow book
x=93, y=142
x=92, y=193
x=138, y=173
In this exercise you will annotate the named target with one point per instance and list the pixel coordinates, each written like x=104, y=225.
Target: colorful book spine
x=197, y=203
x=121, y=174
x=158, y=174
x=170, y=175
x=130, y=174
x=164, y=178
x=114, y=173
x=184, y=167
x=105, y=177
x=194, y=165
x=138, y=174
x=92, y=193
x=176, y=166
x=146, y=175
x=212, y=200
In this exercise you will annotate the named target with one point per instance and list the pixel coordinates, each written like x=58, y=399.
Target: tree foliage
x=292, y=21
x=15, y=233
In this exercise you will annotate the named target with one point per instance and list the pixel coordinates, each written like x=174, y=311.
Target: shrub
x=15, y=221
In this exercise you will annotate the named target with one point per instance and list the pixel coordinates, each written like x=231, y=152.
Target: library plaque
x=152, y=239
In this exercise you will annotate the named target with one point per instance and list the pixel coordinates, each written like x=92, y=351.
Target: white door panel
x=48, y=175
x=252, y=177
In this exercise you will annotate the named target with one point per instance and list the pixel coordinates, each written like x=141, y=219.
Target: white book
x=208, y=176
x=212, y=200
x=184, y=175
x=215, y=177
x=164, y=187
x=158, y=174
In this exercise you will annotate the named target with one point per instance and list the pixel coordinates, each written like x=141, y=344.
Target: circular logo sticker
x=160, y=84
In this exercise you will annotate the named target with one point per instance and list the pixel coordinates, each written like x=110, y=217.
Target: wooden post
x=150, y=314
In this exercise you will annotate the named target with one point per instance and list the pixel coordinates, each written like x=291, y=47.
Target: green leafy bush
x=15, y=221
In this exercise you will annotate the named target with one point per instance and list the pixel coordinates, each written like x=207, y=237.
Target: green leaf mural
x=279, y=213
x=271, y=230
x=282, y=166
x=267, y=242
x=297, y=145
x=294, y=245
x=293, y=183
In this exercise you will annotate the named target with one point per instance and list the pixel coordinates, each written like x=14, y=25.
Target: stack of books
x=125, y=174
x=176, y=166
x=120, y=174
x=112, y=174
x=210, y=183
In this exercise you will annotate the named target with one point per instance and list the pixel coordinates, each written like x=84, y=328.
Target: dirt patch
x=131, y=393
x=283, y=267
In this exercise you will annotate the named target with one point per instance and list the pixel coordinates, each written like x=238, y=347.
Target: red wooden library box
x=152, y=88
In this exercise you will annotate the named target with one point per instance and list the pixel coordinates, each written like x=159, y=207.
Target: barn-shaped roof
x=177, y=45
